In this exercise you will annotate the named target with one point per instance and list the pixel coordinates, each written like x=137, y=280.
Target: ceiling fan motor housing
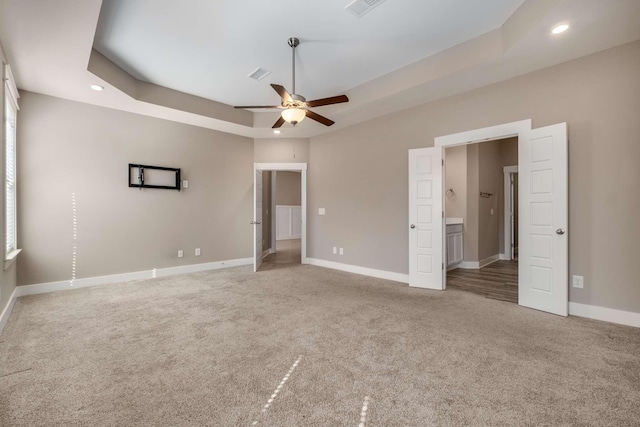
x=295, y=107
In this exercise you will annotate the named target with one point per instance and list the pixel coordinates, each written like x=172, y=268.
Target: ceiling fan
x=295, y=107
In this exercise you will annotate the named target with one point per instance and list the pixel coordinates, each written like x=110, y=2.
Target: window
x=10, y=121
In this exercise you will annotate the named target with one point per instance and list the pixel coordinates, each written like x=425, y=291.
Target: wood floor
x=288, y=253
x=496, y=281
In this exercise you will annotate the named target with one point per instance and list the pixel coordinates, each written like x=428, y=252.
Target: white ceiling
x=401, y=54
x=210, y=47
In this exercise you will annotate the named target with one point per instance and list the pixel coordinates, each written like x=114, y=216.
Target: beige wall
x=288, y=186
x=456, y=179
x=490, y=173
x=359, y=174
x=281, y=150
x=472, y=223
x=508, y=157
x=8, y=276
x=67, y=147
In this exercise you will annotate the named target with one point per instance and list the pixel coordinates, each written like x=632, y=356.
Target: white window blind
x=10, y=115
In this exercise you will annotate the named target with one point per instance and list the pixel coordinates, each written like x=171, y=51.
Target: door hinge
x=442, y=162
x=442, y=214
x=443, y=265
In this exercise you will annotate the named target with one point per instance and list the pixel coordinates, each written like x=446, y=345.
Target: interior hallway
x=496, y=281
x=288, y=253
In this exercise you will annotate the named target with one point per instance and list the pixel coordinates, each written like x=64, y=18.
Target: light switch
x=185, y=183
x=320, y=211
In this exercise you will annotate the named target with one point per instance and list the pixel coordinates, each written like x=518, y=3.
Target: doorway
x=542, y=206
x=283, y=239
x=478, y=258
x=282, y=219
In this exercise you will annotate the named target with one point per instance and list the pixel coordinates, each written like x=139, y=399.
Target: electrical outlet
x=321, y=211
x=578, y=282
x=180, y=253
x=491, y=211
x=341, y=251
x=197, y=251
x=335, y=250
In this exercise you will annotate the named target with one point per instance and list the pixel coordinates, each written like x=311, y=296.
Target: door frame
x=508, y=241
x=519, y=129
x=292, y=167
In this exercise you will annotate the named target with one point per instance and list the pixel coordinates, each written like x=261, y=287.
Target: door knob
x=560, y=231
x=413, y=226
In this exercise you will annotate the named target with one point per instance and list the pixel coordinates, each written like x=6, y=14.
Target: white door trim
x=503, y=131
x=508, y=170
x=294, y=167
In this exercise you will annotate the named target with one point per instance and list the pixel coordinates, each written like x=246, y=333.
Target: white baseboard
x=489, y=260
x=288, y=238
x=64, y=285
x=607, y=314
x=475, y=265
x=469, y=265
x=380, y=274
x=505, y=257
x=4, y=317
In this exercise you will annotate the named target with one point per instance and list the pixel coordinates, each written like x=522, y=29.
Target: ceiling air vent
x=360, y=7
x=259, y=74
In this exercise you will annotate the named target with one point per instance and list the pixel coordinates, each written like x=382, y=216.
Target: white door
x=426, y=254
x=257, y=220
x=543, y=221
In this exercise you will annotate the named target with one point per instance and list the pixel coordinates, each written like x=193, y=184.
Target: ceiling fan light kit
x=295, y=107
x=293, y=115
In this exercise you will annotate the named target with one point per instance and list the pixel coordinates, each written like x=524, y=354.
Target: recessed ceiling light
x=97, y=87
x=560, y=28
x=277, y=132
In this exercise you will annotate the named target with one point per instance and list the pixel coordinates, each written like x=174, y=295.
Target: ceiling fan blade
x=282, y=92
x=318, y=118
x=279, y=123
x=258, y=106
x=328, y=101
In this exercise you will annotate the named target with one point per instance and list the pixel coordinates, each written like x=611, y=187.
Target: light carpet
x=219, y=348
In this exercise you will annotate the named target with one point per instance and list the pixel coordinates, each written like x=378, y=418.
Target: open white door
x=543, y=208
x=257, y=220
x=426, y=255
